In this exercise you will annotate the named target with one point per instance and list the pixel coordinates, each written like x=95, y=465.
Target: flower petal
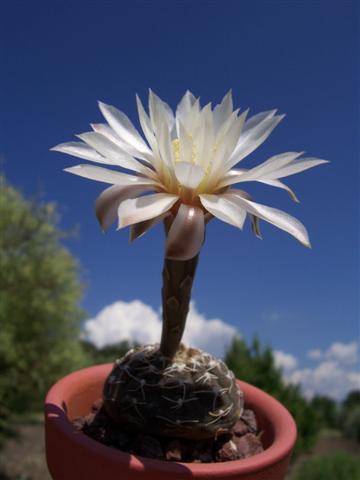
x=143, y=208
x=109, y=176
x=276, y=217
x=111, y=151
x=223, y=111
x=255, y=226
x=255, y=120
x=185, y=144
x=295, y=167
x=160, y=112
x=225, y=210
x=252, y=138
x=110, y=134
x=146, y=124
x=124, y=128
x=236, y=176
x=271, y=165
x=186, y=234
x=81, y=150
x=264, y=170
x=278, y=184
x=185, y=105
x=188, y=174
x=107, y=203
x=139, y=229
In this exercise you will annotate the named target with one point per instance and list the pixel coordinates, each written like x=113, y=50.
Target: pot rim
x=284, y=433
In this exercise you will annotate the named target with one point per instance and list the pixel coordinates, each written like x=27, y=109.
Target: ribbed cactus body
x=193, y=396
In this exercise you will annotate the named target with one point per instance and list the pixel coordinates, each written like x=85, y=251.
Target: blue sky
x=58, y=58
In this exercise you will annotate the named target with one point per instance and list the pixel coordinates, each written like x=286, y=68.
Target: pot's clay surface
x=71, y=455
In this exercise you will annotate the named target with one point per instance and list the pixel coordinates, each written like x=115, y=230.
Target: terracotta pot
x=71, y=455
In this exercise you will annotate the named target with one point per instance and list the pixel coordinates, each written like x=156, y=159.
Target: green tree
x=39, y=296
x=352, y=400
x=107, y=354
x=350, y=415
x=326, y=410
x=255, y=364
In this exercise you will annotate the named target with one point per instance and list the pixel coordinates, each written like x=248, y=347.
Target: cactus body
x=193, y=396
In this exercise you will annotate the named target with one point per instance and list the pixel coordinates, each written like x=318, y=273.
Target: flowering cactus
x=187, y=164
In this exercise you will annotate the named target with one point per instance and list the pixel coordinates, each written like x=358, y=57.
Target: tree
x=350, y=415
x=39, y=297
x=352, y=400
x=107, y=354
x=326, y=411
x=255, y=364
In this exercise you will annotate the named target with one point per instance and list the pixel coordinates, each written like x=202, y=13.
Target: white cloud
x=344, y=353
x=328, y=378
x=334, y=373
x=315, y=354
x=285, y=360
x=136, y=321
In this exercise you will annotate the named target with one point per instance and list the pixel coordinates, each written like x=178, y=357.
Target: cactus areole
x=183, y=175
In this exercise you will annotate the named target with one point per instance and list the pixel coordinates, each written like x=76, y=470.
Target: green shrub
x=40, y=317
x=255, y=364
x=351, y=425
x=334, y=466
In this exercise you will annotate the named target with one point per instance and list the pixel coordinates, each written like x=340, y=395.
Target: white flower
x=187, y=164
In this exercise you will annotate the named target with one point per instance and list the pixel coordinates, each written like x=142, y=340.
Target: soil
x=243, y=441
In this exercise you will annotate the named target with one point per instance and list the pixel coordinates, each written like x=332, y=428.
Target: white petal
x=271, y=165
x=278, y=184
x=296, y=166
x=164, y=143
x=139, y=229
x=81, y=150
x=188, y=174
x=251, y=139
x=223, y=111
x=233, y=134
x=146, y=124
x=107, y=203
x=186, y=234
x=185, y=144
x=109, y=133
x=258, y=173
x=205, y=142
x=232, y=124
x=276, y=217
x=143, y=208
x=124, y=128
x=108, y=176
x=185, y=105
x=240, y=175
x=190, y=118
x=258, y=118
x=111, y=151
x=225, y=210
x=160, y=112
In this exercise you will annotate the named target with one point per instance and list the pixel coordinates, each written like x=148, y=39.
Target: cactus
x=187, y=167
x=170, y=389
x=194, y=396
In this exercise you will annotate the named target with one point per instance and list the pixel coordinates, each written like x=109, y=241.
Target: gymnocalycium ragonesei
x=182, y=174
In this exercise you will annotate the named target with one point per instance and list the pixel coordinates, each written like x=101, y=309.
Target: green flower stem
x=178, y=278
